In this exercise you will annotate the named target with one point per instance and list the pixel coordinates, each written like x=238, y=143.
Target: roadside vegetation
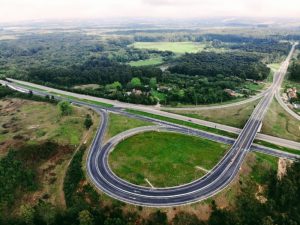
x=235, y=116
x=184, y=123
x=164, y=159
x=292, y=84
x=279, y=123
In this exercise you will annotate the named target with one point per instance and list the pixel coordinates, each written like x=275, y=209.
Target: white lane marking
x=149, y=183
x=203, y=169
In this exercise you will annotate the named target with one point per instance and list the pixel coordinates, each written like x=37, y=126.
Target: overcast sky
x=17, y=10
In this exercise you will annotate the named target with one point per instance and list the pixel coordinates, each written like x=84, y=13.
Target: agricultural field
x=176, y=47
x=165, y=159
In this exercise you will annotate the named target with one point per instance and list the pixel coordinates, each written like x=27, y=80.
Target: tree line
x=295, y=70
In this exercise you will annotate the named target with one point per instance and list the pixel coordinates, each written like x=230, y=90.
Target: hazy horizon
x=24, y=10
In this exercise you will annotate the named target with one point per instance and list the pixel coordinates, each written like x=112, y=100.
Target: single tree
x=136, y=82
x=88, y=122
x=65, y=108
x=153, y=83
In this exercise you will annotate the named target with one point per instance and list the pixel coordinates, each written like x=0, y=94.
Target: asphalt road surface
x=213, y=182
x=263, y=137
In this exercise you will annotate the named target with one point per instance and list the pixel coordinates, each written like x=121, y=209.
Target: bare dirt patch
x=283, y=165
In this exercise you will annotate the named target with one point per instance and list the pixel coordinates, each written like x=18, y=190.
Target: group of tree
x=65, y=108
x=18, y=171
x=94, y=70
x=282, y=205
x=115, y=79
x=211, y=64
x=88, y=121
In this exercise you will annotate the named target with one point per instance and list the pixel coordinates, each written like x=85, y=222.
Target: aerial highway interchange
x=213, y=182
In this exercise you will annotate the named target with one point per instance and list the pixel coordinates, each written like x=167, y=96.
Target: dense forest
x=210, y=64
x=194, y=78
x=65, y=60
x=295, y=70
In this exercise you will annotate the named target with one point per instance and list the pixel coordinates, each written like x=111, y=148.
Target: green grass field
x=118, y=123
x=165, y=159
x=176, y=47
x=147, y=62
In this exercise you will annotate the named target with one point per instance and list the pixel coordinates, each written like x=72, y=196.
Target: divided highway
x=263, y=137
x=213, y=182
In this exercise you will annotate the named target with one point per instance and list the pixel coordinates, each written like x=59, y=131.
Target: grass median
x=184, y=123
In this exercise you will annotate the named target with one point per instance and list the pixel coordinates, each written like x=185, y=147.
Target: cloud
x=14, y=10
x=170, y=2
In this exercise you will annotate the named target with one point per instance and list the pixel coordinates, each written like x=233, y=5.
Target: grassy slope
x=165, y=159
x=235, y=116
x=279, y=123
x=176, y=47
x=118, y=123
x=41, y=121
x=264, y=163
x=37, y=122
